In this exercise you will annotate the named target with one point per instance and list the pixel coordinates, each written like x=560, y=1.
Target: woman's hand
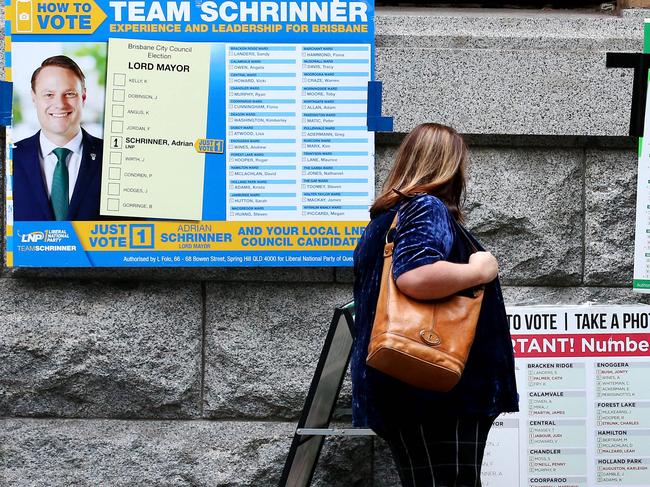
x=485, y=265
x=442, y=278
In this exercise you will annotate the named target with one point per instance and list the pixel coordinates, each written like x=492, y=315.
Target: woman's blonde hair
x=431, y=159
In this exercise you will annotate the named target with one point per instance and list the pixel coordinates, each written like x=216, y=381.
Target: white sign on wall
x=641, y=281
x=583, y=375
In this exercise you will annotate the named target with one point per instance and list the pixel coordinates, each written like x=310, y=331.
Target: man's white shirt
x=48, y=161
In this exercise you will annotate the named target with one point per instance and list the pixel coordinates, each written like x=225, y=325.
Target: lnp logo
x=32, y=237
x=55, y=235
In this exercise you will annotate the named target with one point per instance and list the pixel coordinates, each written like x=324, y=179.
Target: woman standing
x=437, y=439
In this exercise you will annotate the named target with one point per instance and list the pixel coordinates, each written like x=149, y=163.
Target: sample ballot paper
x=156, y=109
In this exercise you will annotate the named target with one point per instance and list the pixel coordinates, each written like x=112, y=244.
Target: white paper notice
x=584, y=420
x=641, y=282
x=156, y=110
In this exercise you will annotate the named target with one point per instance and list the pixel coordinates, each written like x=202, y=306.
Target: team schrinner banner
x=195, y=133
x=584, y=420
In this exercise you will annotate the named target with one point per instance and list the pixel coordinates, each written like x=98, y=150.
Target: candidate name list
x=297, y=142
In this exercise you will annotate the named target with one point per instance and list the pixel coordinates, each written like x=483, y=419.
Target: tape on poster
x=6, y=94
x=377, y=123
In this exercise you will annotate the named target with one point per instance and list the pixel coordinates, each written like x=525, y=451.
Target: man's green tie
x=59, y=197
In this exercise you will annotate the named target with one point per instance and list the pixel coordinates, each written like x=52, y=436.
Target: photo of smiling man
x=57, y=171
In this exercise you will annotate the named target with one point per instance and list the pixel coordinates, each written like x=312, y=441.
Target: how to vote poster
x=584, y=420
x=196, y=133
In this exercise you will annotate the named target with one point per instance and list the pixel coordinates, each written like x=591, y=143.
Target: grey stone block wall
x=197, y=377
x=262, y=342
x=88, y=349
x=80, y=453
x=540, y=73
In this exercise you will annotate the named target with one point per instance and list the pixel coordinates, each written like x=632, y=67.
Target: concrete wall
x=196, y=377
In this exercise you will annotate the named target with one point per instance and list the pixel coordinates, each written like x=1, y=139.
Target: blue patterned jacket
x=425, y=234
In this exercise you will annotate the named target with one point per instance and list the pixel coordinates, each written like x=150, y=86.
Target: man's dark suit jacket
x=31, y=201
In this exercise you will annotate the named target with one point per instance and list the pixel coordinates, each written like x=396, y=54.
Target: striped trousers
x=447, y=453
